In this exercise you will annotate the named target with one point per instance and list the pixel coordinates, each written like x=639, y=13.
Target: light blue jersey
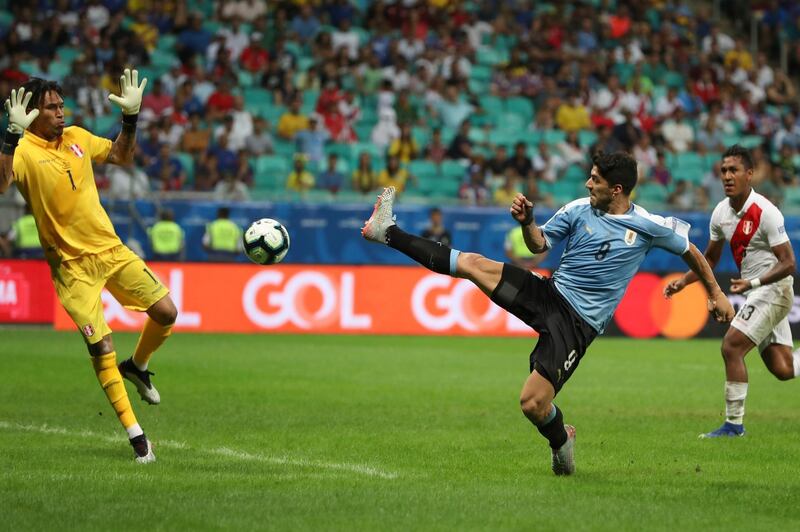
x=603, y=253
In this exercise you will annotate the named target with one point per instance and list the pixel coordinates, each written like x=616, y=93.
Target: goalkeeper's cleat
x=727, y=430
x=382, y=218
x=142, y=449
x=564, y=456
x=141, y=379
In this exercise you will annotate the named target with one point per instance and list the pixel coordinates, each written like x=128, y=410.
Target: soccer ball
x=266, y=241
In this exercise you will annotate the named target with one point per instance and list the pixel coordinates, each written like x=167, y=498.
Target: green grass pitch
x=284, y=432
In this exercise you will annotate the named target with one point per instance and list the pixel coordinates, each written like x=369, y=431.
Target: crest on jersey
x=77, y=150
x=88, y=330
x=747, y=227
x=630, y=237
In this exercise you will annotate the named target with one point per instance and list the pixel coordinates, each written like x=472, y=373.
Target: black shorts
x=563, y=334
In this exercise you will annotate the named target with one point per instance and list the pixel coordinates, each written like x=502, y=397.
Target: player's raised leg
x=381, y=228
x=138, y=288
x=735, y=346
x=161, y=317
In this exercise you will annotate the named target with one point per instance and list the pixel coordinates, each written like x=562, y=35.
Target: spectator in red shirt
x=706, y=88
x=620, y=23
x=255, y=58
x=220, y=102
x=157, y=103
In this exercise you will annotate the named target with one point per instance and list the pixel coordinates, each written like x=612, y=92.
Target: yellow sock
x=105, y=366
x=153, y=335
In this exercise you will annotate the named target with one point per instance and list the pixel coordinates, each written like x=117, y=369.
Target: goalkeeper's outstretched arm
x=19, y=119
x=129, y=101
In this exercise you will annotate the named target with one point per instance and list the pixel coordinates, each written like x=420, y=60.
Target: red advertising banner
x=375, y=300
x=26, y=292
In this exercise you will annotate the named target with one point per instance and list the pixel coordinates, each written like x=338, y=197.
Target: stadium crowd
x=443, y=99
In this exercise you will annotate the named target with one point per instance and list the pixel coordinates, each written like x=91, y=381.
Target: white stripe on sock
x=134, y=430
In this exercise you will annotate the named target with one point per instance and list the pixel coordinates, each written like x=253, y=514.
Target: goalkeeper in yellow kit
x=52, y=168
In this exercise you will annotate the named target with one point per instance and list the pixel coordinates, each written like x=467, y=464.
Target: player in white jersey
x=762, y=251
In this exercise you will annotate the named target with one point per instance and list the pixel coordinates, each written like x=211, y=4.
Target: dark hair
x=617, y=168
x=741, y=152
x=39, y=87
x=223, y=212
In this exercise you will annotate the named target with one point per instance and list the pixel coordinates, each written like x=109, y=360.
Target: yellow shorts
x=80, y=282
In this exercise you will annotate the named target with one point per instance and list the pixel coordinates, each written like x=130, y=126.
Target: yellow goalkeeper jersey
x=57, y=181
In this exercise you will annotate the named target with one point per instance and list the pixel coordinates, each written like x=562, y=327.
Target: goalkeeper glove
x=18, y=118
x=130, y=98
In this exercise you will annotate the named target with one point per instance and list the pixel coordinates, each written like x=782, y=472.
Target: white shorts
x=764, y=316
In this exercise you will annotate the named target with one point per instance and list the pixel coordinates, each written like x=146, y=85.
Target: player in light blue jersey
x=607, y=239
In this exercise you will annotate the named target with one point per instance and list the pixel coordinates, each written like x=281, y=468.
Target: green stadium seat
x=369, y=114
x=285, y=148
x=304, y=64
x=503, y=136
x=553, y=136
x=531, y=137
x=652, y=192
x=751, y=141
x=102, y=124
x=689, y=160
x=564, y=192
x=478, y=135
x=310, y=98
x=491, y=105
x=791, y=196
x=187, y=161
x=378, y=155
x=477, y=86
x=575, y=174
x=246, y=79
x=166, y=41
x=162, y=59
x=673, y=79
x=363, y=131
x=60, y=69
x=256, y=97
x=453, y=170
x=421, y=135
x=28, y=67
x=271, y=165
x=521, y=107
x=480, y=73
x=271, y=113
x=586, y=137
x=513, y=121
x=448, y=134
x=67, y=54
x=447, y=188
x=6, y=18
x=212, y=25
x=490, y=56
x=423, y=170
x=693, y=175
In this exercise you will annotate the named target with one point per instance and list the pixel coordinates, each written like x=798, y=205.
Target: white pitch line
x=360, y=469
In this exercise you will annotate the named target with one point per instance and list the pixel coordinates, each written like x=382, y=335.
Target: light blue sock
x=454, y=253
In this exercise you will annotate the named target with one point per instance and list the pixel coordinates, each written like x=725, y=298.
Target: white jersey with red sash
x=752, y=232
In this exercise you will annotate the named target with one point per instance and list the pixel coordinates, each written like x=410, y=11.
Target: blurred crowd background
x=450, y=101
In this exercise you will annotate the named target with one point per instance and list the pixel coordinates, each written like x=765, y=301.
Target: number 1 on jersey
x=71, y=181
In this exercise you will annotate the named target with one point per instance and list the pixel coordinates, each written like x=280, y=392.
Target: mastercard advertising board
x=386, y=300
